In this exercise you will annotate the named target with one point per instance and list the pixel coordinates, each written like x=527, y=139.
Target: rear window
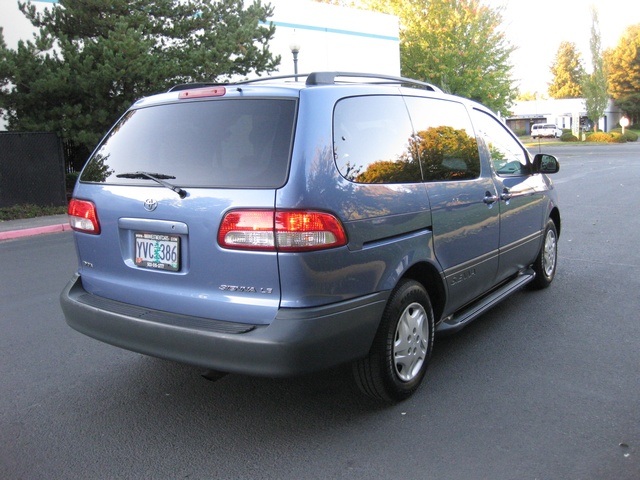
x=243, y=143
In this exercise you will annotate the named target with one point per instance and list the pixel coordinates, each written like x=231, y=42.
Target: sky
x=536, y=28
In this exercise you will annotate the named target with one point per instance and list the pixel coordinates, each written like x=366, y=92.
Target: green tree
x=457, y=45
x=92, y=58
x=567, y=72
x=623, y=67
x=594, y=85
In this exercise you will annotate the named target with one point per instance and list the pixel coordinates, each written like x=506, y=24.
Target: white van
x=545, y=130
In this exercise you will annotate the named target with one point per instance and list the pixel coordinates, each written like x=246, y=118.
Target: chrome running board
x=462, y=318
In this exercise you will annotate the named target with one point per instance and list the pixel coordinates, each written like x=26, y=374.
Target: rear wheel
x=397, y=361
x=545, y=264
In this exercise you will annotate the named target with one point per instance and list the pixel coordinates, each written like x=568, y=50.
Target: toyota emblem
x=150, y=204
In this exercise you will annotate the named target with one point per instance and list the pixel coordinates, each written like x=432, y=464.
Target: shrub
x=600, y=137
x=617, y=137
x=29, y=211
x=567, y=136
x=629, y=136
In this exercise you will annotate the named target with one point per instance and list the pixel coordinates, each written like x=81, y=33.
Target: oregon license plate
x=157, y=251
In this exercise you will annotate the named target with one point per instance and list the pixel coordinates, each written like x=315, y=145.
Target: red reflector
x=83, y=216
x=203, y=92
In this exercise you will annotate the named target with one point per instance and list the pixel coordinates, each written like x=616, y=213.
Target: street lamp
x=624, y=122
x=295, y=49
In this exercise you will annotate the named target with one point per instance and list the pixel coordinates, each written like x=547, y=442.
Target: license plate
x=156, y=251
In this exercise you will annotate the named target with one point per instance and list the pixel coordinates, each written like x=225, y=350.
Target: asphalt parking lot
x=544, y=386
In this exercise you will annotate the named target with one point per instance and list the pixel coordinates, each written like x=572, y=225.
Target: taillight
x=302, y=230
x=280, y=230
x=83, y=216
x=247, y=229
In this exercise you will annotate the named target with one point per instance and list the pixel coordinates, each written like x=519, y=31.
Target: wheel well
x=431, y=279
x=555, y=216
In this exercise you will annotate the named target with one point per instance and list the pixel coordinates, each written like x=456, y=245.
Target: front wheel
x=545, y=264
x=397, y=361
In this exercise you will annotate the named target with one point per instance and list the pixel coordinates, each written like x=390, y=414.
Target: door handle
x=490, y=199
x=506, y=195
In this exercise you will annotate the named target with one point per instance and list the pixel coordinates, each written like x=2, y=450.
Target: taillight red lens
x=281, y=230
x=247, y=229
x=83, y=216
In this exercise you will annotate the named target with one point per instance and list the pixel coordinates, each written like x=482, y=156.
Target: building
x=335, y=38
x=568, y=113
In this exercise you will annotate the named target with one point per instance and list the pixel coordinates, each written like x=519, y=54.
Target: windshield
x=240, y=143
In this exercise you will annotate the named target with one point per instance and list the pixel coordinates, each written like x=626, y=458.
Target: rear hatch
x=149, y=204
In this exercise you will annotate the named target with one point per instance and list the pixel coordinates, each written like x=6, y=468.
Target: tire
x=547, y=260
x=399, y=355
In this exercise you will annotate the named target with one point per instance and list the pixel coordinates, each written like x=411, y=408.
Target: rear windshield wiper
x=156, y=177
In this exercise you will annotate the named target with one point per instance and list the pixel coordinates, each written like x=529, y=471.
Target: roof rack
x=329, y=78
x=321, y=78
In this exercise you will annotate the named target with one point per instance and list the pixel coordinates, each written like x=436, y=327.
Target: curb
x=27, y=232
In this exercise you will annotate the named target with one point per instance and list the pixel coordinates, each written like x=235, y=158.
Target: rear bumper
x=297, y=341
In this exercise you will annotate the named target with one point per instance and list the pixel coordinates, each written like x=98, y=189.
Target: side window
x=443, y=140
x=371, y=140
x=507, y=155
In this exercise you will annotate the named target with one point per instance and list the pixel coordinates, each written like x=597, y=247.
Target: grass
x=16, y=212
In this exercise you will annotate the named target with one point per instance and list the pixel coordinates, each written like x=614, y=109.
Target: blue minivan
x=278, y=227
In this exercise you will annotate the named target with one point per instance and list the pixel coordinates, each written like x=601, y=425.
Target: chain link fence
x=75, y=156
x=32, y=169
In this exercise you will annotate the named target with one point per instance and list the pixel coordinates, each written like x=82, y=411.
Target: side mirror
x=543, y=163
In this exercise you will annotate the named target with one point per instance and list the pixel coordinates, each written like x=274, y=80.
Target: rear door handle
x=506, y=195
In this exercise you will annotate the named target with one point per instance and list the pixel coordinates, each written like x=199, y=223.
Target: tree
x=623, y=66
x=341, y=3
x=455, y=44
x=594, y=85
x=567, y=72
x=529, y=96
x=92, y=58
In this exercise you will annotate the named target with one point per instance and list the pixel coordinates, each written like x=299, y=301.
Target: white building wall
x=335, y=38
x=14, y=24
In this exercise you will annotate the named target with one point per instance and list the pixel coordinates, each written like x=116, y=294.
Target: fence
x=32, y=169
x=75, y=156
